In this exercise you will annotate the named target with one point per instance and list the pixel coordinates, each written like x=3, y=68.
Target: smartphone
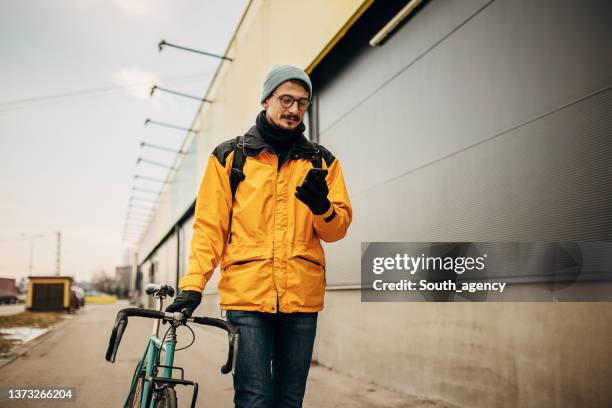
x=316, y=174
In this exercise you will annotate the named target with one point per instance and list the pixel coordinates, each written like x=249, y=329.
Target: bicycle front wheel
x=168, y=399
x=135, y=398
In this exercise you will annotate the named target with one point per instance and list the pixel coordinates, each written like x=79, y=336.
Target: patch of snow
x=23, y=334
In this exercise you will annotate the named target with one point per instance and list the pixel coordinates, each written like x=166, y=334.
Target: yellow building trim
x=50, y=280
x=332, y=43
x=29, y=295
x=67, y=294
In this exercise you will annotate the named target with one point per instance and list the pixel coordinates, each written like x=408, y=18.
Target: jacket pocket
x=245, y=262
x=305, y=282
x=246, y=283
x=243, y=253
x=311, y=261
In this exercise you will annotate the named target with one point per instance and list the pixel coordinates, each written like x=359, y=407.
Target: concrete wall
x=473, y=354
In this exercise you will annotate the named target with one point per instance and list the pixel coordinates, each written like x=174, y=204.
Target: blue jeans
x=273, y=359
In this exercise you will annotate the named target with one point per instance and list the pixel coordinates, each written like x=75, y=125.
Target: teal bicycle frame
x=151, y=356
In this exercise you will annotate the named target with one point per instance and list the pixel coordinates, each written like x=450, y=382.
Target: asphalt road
x=72, y=355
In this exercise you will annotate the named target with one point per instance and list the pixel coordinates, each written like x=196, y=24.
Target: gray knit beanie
x=281, y=73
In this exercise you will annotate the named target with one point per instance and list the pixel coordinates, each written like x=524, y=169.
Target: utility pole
x=58, y=255
x=32, y=238
x=31, y=256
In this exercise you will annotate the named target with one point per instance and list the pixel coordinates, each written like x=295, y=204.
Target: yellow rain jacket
x=267, y=241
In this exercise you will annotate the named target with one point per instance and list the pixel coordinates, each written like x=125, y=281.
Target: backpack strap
x=237, y=175
x=317, y=158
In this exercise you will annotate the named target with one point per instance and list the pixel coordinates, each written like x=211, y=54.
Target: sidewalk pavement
x=72, y=355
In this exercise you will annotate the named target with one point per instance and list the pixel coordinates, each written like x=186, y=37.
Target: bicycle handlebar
x=233, y=336
x=122, y=320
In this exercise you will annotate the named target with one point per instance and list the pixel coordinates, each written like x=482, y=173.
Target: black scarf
x=280, y=139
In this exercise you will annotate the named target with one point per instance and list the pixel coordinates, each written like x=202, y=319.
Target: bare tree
x=103, y=282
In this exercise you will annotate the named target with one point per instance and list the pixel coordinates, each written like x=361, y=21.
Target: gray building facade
x=473, y=121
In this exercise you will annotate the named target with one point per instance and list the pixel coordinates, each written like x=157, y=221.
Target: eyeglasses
x=287, y=101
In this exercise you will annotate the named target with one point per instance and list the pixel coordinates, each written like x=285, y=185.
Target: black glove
x=313, y=192
x=186, y=302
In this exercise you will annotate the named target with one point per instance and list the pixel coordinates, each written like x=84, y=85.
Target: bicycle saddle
x=158, y=288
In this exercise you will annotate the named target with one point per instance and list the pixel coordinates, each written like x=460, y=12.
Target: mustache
x=290, y=117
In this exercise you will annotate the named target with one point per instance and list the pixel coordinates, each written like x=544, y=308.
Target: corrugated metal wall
x=477, y=120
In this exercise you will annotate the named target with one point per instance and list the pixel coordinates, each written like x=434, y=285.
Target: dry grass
x=6, y=345
x=30, y=319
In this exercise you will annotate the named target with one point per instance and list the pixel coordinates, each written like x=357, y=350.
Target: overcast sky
x=74, y=94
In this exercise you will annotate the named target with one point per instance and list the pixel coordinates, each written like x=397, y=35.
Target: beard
x=289, y=121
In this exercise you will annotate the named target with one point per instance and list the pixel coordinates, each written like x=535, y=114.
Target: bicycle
x=149, y=387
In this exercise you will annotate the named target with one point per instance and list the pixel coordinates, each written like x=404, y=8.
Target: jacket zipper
x=273, y=231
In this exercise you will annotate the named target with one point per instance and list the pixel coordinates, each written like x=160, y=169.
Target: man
x=267, y=236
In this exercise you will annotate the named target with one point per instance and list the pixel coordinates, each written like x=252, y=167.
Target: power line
x=88, y=92
x=102, y=89
x=24, y=237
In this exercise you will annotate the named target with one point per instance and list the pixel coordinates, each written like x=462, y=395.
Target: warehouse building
x=470, y=120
